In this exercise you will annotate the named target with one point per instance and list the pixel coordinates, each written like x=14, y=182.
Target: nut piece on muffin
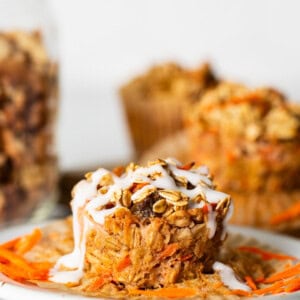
x=148, y=227
x=154, y=102
x=250, y=140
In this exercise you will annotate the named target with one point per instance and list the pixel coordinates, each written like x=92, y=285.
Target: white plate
x=9, y=291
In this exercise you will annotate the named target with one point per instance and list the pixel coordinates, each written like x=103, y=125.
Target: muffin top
x=170, y=80
x=233, y=109
x=157, y=190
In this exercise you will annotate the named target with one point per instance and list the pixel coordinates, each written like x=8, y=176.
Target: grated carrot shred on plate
x=23, y=244
x=15, y=259
x=287, y=273
x=240, y=293
x=266, y=255
x=10, y=244
x=292, y=285
x=27, y=242
x=250, y=282
x=13, y=273
x=291, y=213
x=15, y=266
x=272, y=289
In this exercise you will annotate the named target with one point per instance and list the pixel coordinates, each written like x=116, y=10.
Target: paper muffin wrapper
x=150, y=121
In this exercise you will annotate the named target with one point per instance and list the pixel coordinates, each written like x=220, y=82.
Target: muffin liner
x=152, y=120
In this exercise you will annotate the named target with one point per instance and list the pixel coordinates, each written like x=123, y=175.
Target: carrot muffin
x=154, y=102
x=250, y=140
x=148, y=232
x=147, y=226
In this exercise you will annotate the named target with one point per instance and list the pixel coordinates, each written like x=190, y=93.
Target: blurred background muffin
x=250, y=139
x=155, y=101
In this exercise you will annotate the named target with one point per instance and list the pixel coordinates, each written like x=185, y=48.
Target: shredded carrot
x=240, y=293
x=41, y=265
x=119, y=170
x=171, y=292
x=21, y=245
x=16, y=264
x=292, y=285
x=260, y=279
x=13, y=273
x=293, y=271
x=186, y=257
x=137, y=186
x=15, y=259
x=291, y=213
x=3, y=260
x=278, y=290
x=99, y=282
x=27, y=242
x=288, y=265
x=266, y=255
x=187, y=166
x=169, y=250
x=10, y=244
x=250, y=282
x=124, y=263
x=20, y=274
x=270, y=289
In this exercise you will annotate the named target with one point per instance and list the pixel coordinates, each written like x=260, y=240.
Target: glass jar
x=28, y=105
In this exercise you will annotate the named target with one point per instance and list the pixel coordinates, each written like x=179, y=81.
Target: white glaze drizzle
x=88, y=201
x=228, y=277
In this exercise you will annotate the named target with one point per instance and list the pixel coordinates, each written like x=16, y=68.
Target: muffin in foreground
x=148, y=227
x=250, y=139
x=148, y=232
x=154, y=102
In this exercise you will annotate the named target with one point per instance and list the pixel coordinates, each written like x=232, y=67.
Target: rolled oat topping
x=181, y=194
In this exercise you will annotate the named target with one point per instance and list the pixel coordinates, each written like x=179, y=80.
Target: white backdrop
x=103, y=43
